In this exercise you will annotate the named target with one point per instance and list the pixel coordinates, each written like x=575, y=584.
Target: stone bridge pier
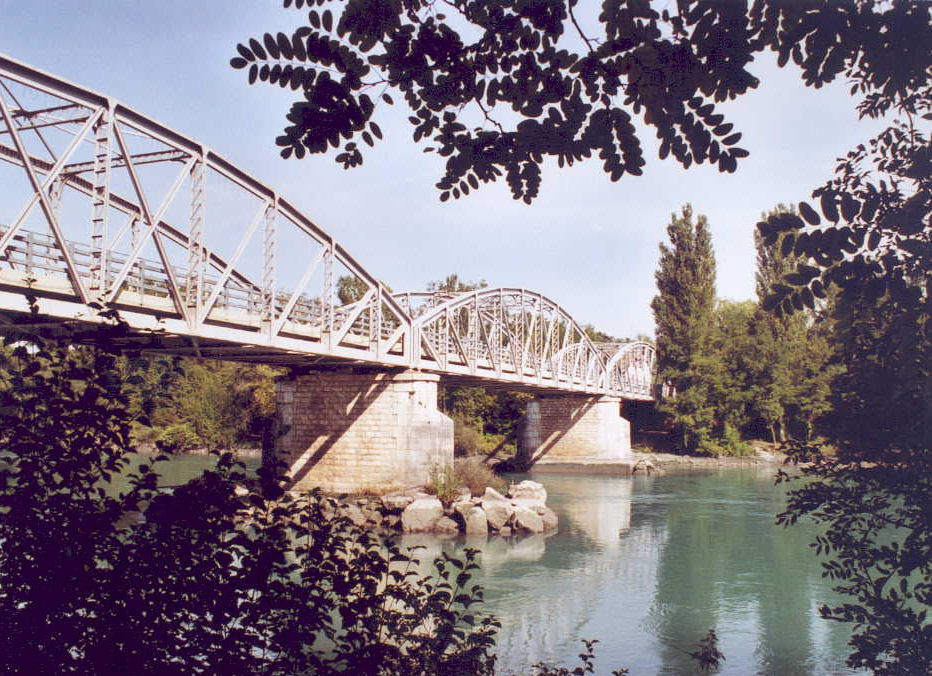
x=350, y=432
x=567, y=433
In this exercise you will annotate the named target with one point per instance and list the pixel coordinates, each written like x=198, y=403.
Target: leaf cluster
x=227, y=573
x=497, y=87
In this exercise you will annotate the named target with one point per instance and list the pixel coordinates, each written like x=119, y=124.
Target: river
x=647, y=565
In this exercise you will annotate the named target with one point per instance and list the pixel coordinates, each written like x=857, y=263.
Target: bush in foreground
x=225, y=574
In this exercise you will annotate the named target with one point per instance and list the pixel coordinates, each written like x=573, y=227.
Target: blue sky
x=587, y=243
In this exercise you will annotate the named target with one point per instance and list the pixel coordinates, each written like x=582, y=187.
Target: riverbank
x=672, y=462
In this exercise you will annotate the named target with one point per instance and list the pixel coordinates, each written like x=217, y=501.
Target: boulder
x=475, y=520
x=461, y=507
x=421, y=514
x=528, y=521
x=446, y=525
x=504, y=531
x=498, y=509
x=549, y=519
x=395, y=504
x=528, y=494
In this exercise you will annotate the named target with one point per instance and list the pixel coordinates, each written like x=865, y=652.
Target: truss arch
x=508, y=334
x=154, y=225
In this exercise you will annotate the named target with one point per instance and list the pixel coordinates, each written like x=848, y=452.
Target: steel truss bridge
x=101, y=204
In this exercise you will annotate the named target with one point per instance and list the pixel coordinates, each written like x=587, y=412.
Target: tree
x=499, y=86
x=453, y=284
x=350, y=289
x=794, y=362
x=683, y=312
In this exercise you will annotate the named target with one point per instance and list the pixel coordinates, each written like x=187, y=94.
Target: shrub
x=731, y=444
x=178, y=438
x=474, y=474
x=444, y=483
x=469, y=441
x=209, y=580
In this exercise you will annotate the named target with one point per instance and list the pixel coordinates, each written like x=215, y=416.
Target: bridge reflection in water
x=647, y=565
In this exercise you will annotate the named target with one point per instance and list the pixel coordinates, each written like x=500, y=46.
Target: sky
x=587, y=243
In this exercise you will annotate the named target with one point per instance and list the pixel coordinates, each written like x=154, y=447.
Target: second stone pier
x=576, y=433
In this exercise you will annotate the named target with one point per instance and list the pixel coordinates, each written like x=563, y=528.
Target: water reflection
x=648, y=564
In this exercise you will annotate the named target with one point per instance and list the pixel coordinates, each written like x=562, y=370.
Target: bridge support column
x=576, y=433
x=358, y=432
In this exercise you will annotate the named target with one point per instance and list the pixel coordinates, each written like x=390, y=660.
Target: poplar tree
x=683, y=312
x=794, y=365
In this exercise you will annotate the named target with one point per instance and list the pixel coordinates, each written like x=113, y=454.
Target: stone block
x=420, y=515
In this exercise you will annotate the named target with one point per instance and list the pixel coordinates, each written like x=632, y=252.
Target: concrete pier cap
x=576, y=433
x=362, y=431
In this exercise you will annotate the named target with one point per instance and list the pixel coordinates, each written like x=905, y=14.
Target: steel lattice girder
x=189, y=294
x=520, y=336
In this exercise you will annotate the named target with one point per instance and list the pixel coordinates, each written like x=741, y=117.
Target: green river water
x=647, y=565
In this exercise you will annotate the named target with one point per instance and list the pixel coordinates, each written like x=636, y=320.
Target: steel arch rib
x=523, y=347
x=372, y=333
x=631, y=370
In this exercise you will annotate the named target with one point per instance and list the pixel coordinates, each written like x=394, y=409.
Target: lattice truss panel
x=631, y=370
x=100, y=203
x=506, y=334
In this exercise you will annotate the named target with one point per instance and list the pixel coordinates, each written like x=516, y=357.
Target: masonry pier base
x=576, y=434
x=356, y=432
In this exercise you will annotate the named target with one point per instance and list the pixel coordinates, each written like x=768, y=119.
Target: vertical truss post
x=55, y=191
x=375, y=323
x=195, y=278
x=500, y=331
x=135, y=234
x=327, y=297
x=101, y=204
x=269, y=232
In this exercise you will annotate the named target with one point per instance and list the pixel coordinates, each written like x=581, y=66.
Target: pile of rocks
x=523, y=510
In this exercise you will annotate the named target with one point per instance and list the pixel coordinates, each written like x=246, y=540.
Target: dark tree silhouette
x=497, y=86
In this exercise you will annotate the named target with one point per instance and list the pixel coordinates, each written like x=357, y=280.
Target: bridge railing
x=36, y=254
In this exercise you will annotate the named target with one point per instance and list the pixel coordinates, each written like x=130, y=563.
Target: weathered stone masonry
x=568, y=429
x=348, y=432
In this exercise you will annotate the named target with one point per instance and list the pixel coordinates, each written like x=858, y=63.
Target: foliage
x=444, y=483
x=683, y=310
x=350, y=289
x=869, y=259
x=225, y=574
x=449, y=481
x=177, y=438
x=498, y=87
x=453, y=284
x=733, y=364
x=586, y=665
x=598, y=336
x=223, y=404
x=474, y=474
x=872, y=495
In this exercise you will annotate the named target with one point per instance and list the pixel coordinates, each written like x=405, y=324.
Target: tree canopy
x=498, y=87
